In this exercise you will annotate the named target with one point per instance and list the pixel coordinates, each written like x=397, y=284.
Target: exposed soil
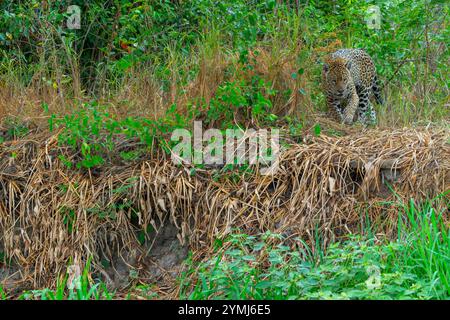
x=158, y=259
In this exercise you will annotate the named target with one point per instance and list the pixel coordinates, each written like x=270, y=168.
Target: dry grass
x=143, y=91
x=327, y=183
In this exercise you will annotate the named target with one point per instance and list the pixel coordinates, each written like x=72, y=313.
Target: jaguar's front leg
x=350, y=110
x=334, y=106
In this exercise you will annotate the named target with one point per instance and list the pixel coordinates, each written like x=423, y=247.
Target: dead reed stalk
x=328, y=184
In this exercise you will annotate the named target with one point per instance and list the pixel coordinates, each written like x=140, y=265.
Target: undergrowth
x=415, y=266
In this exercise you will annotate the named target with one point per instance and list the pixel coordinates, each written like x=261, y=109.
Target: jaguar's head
x=338, y=78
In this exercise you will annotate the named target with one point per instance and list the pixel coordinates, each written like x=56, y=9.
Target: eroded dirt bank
x=139, y=219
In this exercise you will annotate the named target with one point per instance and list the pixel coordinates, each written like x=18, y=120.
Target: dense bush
x=118, y=34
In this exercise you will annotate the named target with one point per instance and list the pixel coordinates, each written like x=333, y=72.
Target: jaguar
x=349, y=80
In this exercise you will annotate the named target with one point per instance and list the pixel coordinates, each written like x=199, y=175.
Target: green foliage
x=317, y=129
x=295, y=127
x=250, y=99
x=69, y=218
x=344, y=273
x=15, y=128
x=94, y=134
x=84, y=131
x=428, y=240
x=2, y=294
x=117, y=37
x=80, y=289
x=416, y=266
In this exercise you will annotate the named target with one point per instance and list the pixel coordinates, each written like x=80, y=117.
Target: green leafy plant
x=416, y=266
x=249, y=99
x=82, y=290
x=93, y=133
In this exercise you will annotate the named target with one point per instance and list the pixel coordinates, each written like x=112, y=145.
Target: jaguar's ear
x=348, y=64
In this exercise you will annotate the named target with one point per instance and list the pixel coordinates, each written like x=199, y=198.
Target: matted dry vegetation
x=329, y=184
